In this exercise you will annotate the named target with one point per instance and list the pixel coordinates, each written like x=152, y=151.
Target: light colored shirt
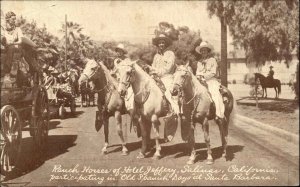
x=164, y=63
x=12, y=36
x=207, y=68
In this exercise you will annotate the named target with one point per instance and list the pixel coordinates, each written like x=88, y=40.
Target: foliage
x=267, y=30
x=45, y=41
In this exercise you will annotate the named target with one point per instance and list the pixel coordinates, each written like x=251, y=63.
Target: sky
x=120, y=20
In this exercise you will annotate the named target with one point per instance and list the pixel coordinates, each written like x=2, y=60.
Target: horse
x=150, y=103
x=87, y=95
x=197, y=107
x=109, y=101
x=266, y=82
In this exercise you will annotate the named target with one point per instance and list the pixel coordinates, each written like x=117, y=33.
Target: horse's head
x=181, y=75
x=126, y=72
x=90, y=69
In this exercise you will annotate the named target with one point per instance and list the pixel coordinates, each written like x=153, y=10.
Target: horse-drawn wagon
x=61, y=96
x=22, y=105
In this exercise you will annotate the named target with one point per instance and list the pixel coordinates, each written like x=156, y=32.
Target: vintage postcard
x=149, y=93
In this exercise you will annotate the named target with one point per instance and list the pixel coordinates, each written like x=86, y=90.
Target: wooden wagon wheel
x=40, y=118
x=10, y=141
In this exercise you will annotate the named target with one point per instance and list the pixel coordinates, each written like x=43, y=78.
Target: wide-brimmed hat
x=203, y=45
x=161, y=37
x=121, y=47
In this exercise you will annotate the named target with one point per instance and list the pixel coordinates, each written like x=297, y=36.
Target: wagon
x=20, y=107
x=61, y=96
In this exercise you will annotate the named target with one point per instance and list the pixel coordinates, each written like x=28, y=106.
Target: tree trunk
x=223, y=65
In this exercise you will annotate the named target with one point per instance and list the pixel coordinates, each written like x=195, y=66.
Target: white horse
x=150, y=102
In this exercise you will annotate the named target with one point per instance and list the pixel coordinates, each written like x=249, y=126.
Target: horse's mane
x=198, y=86
x=144, y=73
x=109, y=78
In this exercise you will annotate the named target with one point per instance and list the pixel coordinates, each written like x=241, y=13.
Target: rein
x=127, y=84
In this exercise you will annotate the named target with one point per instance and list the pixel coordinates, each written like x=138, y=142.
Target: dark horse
x=266, y=82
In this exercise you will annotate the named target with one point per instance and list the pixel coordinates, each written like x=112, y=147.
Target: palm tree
x=224, y=10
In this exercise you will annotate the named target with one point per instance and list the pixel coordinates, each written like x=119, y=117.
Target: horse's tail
x=279, y=87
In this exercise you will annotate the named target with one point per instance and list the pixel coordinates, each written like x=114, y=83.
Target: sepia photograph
x=149, y=93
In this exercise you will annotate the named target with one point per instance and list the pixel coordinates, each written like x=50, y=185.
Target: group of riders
x=163, y=66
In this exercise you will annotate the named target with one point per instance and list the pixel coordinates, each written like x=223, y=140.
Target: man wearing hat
x=52, y=78
x=206, y=72
x=164, y=66
x=11, y=37
x=121, y=56
x=271, y=74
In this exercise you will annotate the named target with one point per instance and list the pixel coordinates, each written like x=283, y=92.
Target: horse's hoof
x=124, y=153
x=140, y=156
x=190, y=162
x=104, y=152
x=156, y=157
x=209, y=161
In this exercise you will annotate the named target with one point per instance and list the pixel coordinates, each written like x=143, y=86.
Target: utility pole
x=66, y=28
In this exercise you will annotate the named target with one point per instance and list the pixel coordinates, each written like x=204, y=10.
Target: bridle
x=92, y=74
x=180, y=86
x=127, y=83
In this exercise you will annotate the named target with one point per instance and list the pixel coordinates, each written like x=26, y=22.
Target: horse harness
x=106, y=88
x=195, y=99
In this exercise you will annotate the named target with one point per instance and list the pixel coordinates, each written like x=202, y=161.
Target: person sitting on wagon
x=11, y=37
x=206, y=72
x=51, y=77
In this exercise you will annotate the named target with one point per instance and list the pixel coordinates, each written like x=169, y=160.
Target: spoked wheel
x=10, y=139
x=40, y=119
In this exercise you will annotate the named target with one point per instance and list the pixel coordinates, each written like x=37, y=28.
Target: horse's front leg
x=276, y=96
x=191, y=143
x=144, y=137
x=118, y=118
x=263, y=92
x=205, y=128
x=155, y=126
x=106, y=131
x=266, y=93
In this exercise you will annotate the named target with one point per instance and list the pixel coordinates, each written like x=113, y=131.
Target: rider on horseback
x=163, y=67
x=271, y=74
x=206, y=72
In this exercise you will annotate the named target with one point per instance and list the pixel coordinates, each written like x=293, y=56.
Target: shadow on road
x=217, y=153
x=280, y=105
x=30, y=161
x=54, y=124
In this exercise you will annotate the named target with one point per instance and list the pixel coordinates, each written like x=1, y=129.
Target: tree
x=267, y=30
x=46, y=42
x=224, y=10
x=76, y=42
